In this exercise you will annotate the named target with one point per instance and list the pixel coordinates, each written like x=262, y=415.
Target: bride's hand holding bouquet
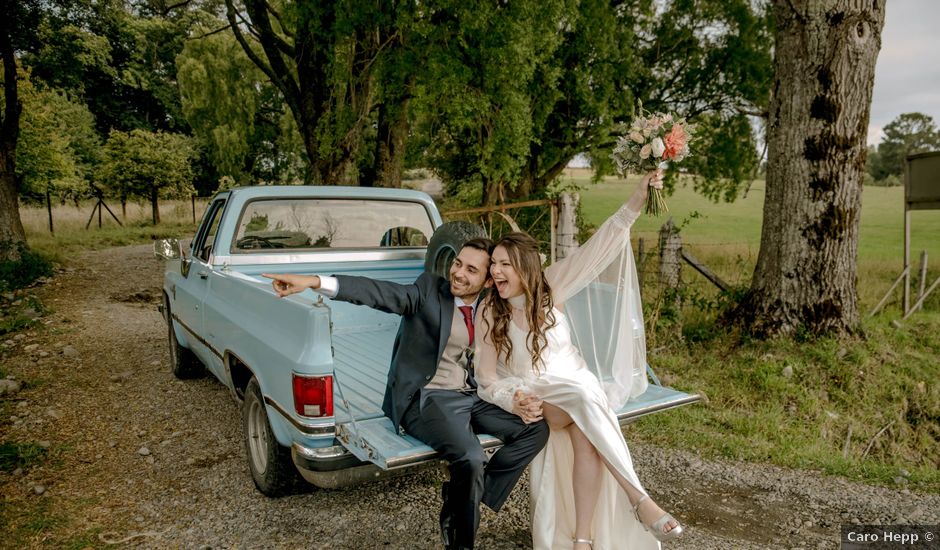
x=652, y=142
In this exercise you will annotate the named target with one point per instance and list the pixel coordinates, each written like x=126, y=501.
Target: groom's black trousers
x=448, y=421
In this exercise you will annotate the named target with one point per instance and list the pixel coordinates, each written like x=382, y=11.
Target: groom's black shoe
x=448, y=529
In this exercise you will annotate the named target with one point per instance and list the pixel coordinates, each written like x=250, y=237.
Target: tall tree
x=19, y=20
x=824, y=68
x=117, y=56
x=321, y=56
x=404, y=56
x=707, y=59
x=235, y=112
x=487, y=70
x=906, y=135
x=58, y=145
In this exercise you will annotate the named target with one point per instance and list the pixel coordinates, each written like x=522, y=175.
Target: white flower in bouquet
x=658, y=148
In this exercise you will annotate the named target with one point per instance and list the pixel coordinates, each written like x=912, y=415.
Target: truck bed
x=362, y=356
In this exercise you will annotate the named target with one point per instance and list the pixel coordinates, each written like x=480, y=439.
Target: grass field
x=727, y=236
x=69, y=223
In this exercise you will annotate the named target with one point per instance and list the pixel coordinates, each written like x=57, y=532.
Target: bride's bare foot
x=649, y=512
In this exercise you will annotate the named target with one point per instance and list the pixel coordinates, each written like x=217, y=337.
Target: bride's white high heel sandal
x=656, y=529
x=583, y=541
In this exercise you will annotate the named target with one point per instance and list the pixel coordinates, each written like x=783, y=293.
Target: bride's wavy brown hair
x=524, y=258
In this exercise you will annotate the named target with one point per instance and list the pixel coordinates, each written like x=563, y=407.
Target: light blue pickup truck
x=308, y=372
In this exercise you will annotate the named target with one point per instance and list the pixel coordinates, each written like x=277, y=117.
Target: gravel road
x=138, y=458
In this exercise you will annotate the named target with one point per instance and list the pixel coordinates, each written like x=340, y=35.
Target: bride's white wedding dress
x=567, y=381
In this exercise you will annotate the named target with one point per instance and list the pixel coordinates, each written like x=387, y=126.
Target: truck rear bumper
x=335, y=467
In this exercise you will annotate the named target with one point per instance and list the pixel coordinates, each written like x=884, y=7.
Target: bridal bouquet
x=652, y=141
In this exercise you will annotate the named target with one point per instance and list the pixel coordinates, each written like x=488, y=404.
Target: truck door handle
x=203, y=274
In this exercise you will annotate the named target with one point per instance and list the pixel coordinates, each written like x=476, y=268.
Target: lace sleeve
x=492, y=386
x=571, y=274
x=500, y=392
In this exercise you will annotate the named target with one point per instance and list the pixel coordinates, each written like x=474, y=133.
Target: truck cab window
x=270, y=225
x=210, y=228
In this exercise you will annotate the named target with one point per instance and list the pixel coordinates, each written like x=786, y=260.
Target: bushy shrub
x=25, y=271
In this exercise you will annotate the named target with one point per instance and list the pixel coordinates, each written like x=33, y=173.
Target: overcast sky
x=907, y=76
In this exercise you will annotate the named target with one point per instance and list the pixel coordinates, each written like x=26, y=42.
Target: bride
x=530, y=348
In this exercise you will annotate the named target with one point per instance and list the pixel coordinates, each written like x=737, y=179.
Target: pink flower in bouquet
x=675, y=142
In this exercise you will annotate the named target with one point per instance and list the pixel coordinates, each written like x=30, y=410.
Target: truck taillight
x=313, y=395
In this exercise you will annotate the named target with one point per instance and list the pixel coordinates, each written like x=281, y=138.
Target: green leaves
x=57, y=146
x=141, y=163
x=908, y=134
x=219, y=88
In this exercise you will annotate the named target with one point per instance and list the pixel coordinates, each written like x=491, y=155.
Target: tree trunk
x=390, y=143
x=536, y=177
x=12, y=234
x=304, y=66
x=824, y=71
x=154, y=206
x=494, y=191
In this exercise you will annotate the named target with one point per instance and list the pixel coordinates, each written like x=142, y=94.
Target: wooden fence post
x=49, y=210
x=567, y=225
x=923, y=276
x=670, y=259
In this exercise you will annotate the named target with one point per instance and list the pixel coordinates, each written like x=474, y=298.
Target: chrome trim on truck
x=324, y=428
x=350, y=255
x=335, y=467
x=626, y=418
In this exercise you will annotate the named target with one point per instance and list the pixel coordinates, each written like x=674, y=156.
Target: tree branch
x=210, y=33
x=288, y=88
x=280, y=21
x=272, y=44
x=760, y=113
x=170, y=8
x=248, y=25
x=285, y=47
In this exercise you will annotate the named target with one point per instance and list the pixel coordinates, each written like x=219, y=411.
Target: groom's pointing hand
x=285, y=285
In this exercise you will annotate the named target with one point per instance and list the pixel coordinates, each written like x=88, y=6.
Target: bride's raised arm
x=491, y=386
x=569, y=275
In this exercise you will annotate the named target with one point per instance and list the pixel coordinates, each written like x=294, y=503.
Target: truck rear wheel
x=272, y=468
x=446, y=243
x=183, y=362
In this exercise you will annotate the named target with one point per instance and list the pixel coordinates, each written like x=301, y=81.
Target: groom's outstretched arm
x=385, y=295
x=382, y=295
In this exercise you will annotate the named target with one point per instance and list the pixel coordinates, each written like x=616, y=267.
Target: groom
x=431, y=392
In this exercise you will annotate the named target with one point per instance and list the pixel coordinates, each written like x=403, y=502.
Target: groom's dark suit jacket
x=427, y=310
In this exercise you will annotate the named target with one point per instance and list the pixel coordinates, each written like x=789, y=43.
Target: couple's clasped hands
x=527, y=406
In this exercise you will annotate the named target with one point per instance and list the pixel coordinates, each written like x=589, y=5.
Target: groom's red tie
x=468, y=320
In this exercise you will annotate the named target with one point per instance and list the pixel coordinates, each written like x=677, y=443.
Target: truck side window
x=207, y=239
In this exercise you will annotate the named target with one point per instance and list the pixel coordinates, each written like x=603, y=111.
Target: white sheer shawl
x=598, y=288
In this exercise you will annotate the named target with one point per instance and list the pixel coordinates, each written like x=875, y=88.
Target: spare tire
x=446, y=243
